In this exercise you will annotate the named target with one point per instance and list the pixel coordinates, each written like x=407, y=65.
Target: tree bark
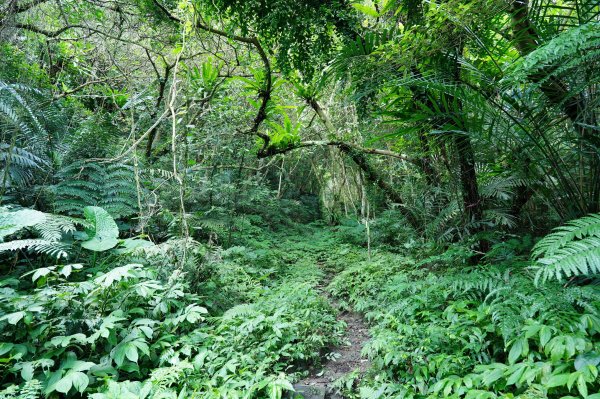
x=161, y=95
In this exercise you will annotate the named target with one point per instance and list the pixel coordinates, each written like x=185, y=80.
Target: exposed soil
x=343, y=359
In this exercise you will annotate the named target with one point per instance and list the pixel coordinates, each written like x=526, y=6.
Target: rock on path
x=347, y=358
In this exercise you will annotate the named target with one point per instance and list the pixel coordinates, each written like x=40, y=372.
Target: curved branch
x=357, y=154
x=268, y=151
x=56, y=33
x=80, y=87
x=264, y=94
x=333, y=143
x=48, y=33
x=19, y=8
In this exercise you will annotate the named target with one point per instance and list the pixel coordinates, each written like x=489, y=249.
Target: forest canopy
x=252, y=198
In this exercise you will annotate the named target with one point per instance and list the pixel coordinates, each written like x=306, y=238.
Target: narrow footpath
x=342, y=360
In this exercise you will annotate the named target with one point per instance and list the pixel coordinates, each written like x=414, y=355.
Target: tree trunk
x=374, y=177
x=162, y=84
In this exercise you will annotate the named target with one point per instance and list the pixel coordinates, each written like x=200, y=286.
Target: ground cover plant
x=256, y=199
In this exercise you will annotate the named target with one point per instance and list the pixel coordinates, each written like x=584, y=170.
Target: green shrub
x=143, y=331
x=473, y=332
x=71, y=336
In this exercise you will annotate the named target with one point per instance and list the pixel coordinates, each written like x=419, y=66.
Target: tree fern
x=25, y=121
x=19, y=109
x=571, y=250
x=111, y=187
x=101, y=231
x=18, y=164
x=49, y=227
x=501, y=187
x=51, y=248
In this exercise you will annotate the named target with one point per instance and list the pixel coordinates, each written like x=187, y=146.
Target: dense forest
x=230, y=199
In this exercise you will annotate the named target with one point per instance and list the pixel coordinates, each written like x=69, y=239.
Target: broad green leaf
x=116, y=274
x=13, y=318
x=66, y=270
x=119, y=355
x=131, y=353
x=11, y=222
x=493, y=376
x=5, y=347
x=27, y=371
x=104, y=232
x=545, y=335
x=366, y=9
x=590, y=358
x=515, y=377
x=41, y=272
x=80, y=365
x=130, y=245
x=558, y=380
x=519, y=347
x=80, y=381
x=64, y=384
x=582, y=386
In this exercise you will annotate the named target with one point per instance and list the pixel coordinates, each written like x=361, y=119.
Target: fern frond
x=11, y=95
x=570, y=250
x=111, y=187
x=55, y=225
x=561, y=236
x=49, y=227
x=501, y=187
x=565, y=47
x=576, y=258
x=243, y=311
x=51, y=248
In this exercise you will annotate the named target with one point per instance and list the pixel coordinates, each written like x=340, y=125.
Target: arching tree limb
x=47, y=33
x=357, y=154
x=270, y=151
x=162, y=84
x=264, y=94
x=16, y=7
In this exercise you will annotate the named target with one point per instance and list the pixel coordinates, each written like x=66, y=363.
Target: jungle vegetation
x=193, y=191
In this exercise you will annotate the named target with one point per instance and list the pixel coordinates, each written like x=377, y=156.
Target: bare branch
x=22, y=7
x=264, y=94
x=80, y=87
x=332, y=143
x=136, y=143
x=47, y=33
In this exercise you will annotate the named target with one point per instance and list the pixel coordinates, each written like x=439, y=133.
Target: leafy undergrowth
x=148, y=330
x=247, y=321
x=480, y=332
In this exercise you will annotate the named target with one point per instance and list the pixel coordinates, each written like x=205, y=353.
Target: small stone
x=308, y=392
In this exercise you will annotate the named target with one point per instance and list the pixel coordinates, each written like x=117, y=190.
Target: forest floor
x=341, y=360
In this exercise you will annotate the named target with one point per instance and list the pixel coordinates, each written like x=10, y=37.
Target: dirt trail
x=346, y=357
